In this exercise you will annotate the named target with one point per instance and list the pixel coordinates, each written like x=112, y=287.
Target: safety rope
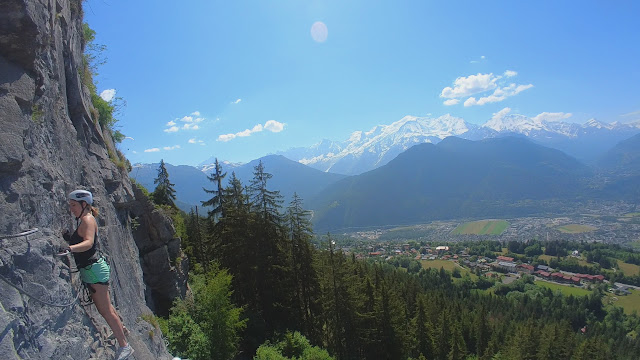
x=25, y=292
x=24, y=233
x=36, y=298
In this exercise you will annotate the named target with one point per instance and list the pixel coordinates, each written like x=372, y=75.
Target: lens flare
x=319, y=32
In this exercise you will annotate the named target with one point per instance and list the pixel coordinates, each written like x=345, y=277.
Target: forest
x=261, y=290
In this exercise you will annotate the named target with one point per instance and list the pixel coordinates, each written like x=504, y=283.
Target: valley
x=611, y=223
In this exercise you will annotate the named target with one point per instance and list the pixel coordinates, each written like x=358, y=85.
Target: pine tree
x=458, y=347
x=307, y=287
x=164, y=193
x=422, y=331
x=217, y=202
x=273, y=278
x=194, y=237
x=481, y=333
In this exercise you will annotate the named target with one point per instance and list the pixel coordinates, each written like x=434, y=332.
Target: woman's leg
x=103, y=304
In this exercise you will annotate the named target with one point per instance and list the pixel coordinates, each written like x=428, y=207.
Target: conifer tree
x=458, y=347
x=236, y=250
x=307, y=287
x=422, y=331
x=194, y=238
x=164, y=193
x=217, y=202
x=273, y=278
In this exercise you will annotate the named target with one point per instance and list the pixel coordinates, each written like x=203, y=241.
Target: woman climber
x=94, y=270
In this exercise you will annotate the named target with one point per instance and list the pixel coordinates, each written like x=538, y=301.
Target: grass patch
x=437, y=264
x=449, y=266
x=483, y=227
x=37, y=114
x=546, y=258
x=633, y=214
x=566, y=290
x=150, y=318
x=628, y=269
x=576, y=228
x=629, y=303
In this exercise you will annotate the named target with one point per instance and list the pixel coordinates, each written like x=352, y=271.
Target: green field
x=437, y=264
x=633, y=214
x=576, y=228
x=546, y=258
x=483, y=227
x=447, y=265
x=629, y=303
x=565, y=289
x=628, y=269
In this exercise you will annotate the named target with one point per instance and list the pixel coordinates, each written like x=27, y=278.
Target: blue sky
x=242, y=79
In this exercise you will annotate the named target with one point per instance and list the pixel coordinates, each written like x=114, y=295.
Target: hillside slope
x=456, y=178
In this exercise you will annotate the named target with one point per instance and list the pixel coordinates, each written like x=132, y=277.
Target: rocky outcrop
x=164, y=265
x=50, y=145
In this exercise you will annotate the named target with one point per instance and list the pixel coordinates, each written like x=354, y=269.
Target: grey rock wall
x=49, y=146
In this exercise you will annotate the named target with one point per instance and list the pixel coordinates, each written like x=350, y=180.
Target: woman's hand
x=66, y=236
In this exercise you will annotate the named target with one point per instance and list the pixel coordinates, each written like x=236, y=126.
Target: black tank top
x=84, y=258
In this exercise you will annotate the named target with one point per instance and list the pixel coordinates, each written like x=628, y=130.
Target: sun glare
x=319, y=31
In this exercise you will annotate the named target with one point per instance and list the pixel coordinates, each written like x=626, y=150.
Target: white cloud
x=196, y=141
x=188, y=120
x=634, y=113
x=472, y=84
x=172, y=147
x=547, y=116
x=274, y=126
x=225, y=138
x=108, y=95
x=480, y=83
x=189, y=126
x=237, y=101
x=498, y=95
x=500, y=114
x=477, y=61
x=270, y=125
x=152, y=150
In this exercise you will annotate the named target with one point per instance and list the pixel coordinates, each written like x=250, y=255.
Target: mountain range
x=455, y=178
x=364, y=151
x=421, y=172
x=288, y=177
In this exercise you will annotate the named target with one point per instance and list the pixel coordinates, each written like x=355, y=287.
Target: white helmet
x=81, y=195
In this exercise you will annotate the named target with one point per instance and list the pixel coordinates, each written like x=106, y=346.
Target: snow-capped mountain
x=364, y=151
x=208, y=166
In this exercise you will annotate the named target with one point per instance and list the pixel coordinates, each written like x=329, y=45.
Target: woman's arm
x=87, y=231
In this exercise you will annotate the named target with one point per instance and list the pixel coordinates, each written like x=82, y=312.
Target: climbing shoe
x=124, y=352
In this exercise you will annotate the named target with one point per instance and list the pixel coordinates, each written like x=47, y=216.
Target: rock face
x=49, y=146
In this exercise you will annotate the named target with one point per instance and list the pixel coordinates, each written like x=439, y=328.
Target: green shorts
x=96, y=273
